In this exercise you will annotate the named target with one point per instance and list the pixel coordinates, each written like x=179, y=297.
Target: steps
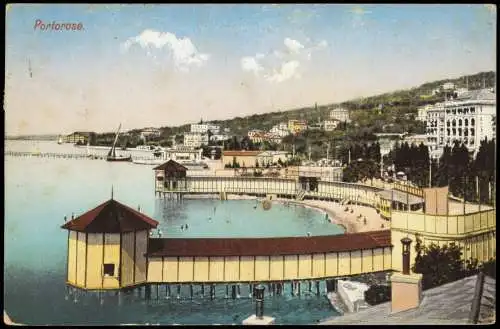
x=300, y=195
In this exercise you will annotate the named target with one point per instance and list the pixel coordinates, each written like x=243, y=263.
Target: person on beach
x=186, y=227
x=364, y=220
x=182, y=227
x=326, y=217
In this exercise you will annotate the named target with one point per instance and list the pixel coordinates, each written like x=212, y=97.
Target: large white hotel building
x=469, y=118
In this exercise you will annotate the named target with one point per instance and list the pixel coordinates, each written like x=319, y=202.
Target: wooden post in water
x=292, y=286
x=227, y=291
x=310, y=285
x=202, y=290
x=168, y=291
x=191, y=291
x=233, y=291
x=178, y=291
x=239, y=291
x=212, y=291
x=317, y=288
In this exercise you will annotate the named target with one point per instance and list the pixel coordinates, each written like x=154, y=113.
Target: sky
x=167, y=65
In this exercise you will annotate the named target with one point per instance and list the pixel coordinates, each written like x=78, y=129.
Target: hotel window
x=459, y=122
x=453, y=111
x=472, y=110
x=448, y=123
x=454, y=132
x=459, y=111
x=466, y=110
x=448, y=132
x=453, y=123
x=460, y=132
x=109, y=269
x=466, y=122
x=466, y=132
x=472, y=122
x=472, y=131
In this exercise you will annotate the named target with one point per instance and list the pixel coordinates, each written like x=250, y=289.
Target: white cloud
x=288, y=70
x=184, y=52
x=251, y=64
x=293, y=45
x=323, y=44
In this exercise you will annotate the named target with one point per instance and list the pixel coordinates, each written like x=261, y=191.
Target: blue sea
x=39, y=192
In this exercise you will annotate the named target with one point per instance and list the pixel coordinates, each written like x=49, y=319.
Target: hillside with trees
x=388, y=112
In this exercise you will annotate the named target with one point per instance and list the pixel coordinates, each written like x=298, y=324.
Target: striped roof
x=111, y=217
x=190, y=247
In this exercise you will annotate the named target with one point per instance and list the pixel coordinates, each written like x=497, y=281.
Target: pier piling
x=233, y=291
x=202, y=291
x=178, y=291
x=317, y=288
x=168, y=291
x=212, y=291
x=191, y=291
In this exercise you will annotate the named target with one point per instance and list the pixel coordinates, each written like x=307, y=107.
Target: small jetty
x=53, y=155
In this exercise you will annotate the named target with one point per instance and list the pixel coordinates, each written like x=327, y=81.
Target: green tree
x=378, y=294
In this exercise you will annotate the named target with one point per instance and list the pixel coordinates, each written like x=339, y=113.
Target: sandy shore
x=351, y=220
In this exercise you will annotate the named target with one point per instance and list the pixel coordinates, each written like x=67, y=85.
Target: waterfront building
x=448, y=86
x=150, y=132
x=273, y=138
x=296, y=126
x=416, y=139
x=256, y=135
x=200, y=128
x=79, y=137
x=243, y=158
x=203, y=128
x=340, y=114
x=469, y=119
x=280, y=130
x=330, y=125
x=185, y=153
x=214, y=129
x=107, y=247
x=273, y=157
x=195, y=139
x=422, y=112
x=171, y=174
x=219, y=137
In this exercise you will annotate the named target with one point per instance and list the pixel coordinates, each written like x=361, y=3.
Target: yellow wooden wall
x=141, y=248
x=268, y=268
x=112, y=256
x=94, y=261
x=80, y=259
x=72, y=257
x=127, y=261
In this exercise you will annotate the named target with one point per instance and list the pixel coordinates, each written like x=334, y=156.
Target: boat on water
x=112, y=154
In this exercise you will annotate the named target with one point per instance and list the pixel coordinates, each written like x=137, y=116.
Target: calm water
x=40, y=192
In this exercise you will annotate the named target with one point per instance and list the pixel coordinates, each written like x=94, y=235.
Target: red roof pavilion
x=111, y=217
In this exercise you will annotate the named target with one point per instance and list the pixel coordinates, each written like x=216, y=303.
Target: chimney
x=406, y=287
